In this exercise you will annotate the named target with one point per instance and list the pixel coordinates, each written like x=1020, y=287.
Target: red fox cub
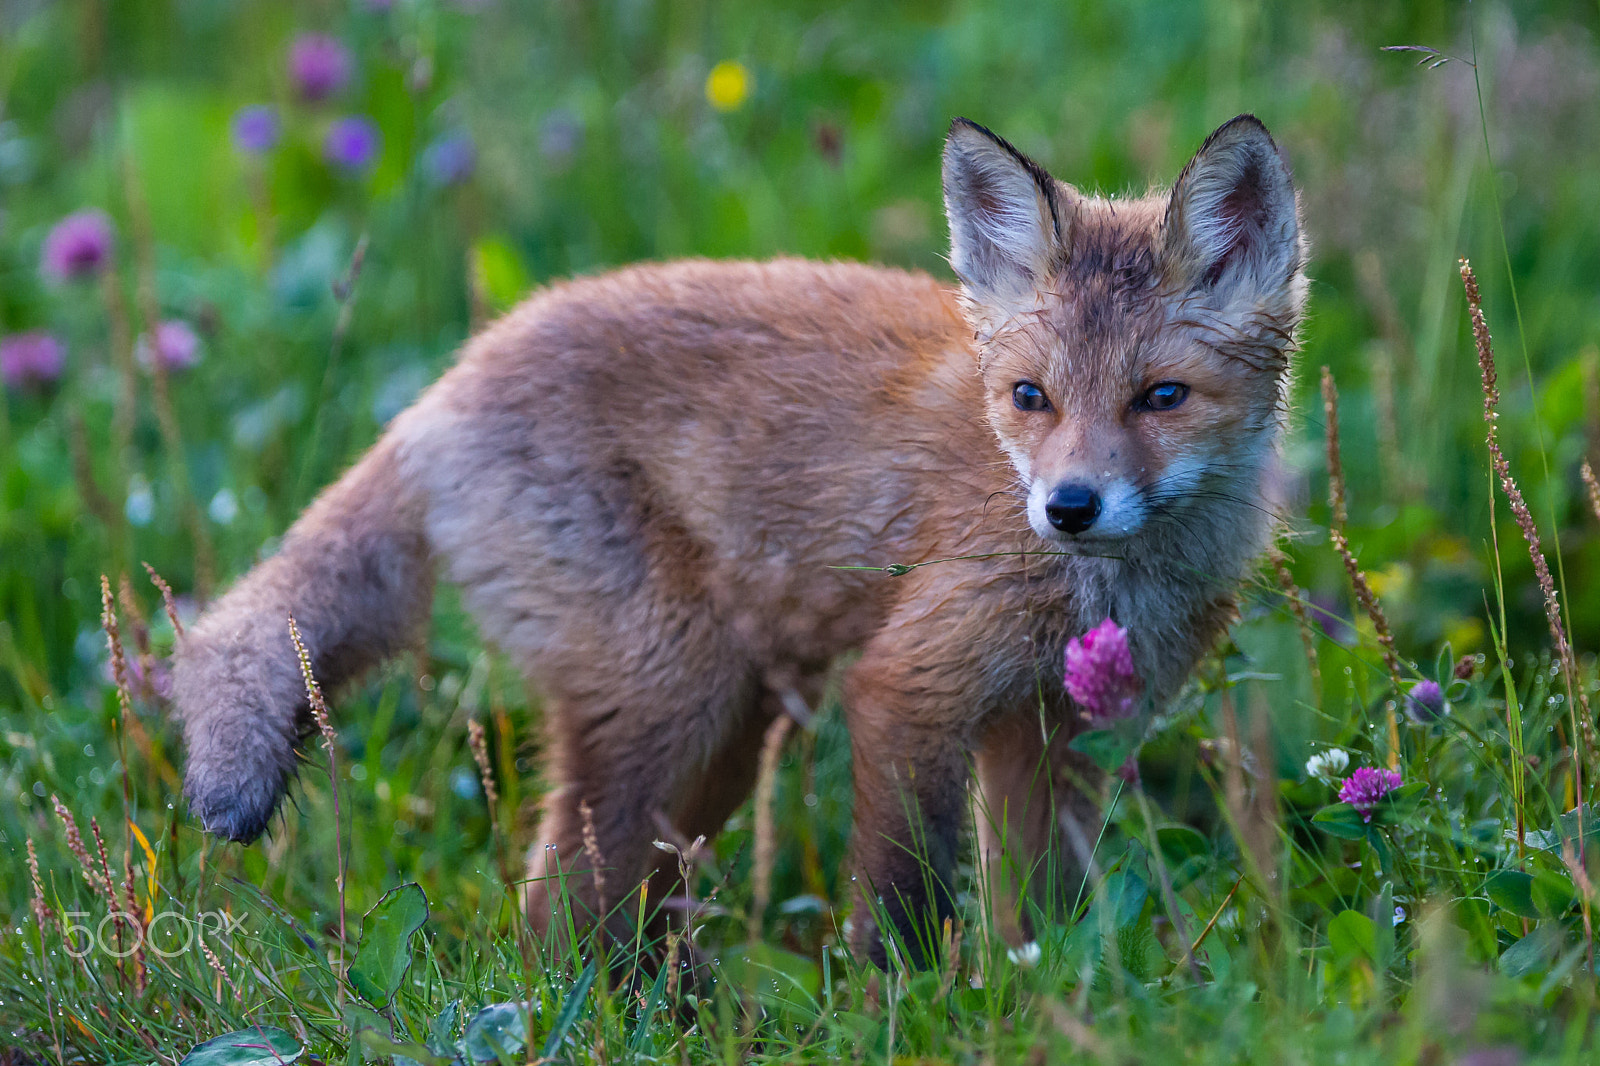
x=652, y=486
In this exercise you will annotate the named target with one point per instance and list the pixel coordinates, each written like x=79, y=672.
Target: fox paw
x=232, y=805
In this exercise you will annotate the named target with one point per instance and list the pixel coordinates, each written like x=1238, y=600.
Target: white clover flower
x=1328, y=766
x=1027, y=956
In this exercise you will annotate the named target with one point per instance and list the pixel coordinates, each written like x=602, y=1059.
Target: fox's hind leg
x=627, y=751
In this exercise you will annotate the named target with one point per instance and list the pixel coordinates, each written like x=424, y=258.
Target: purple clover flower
x=1099, y=674
x=1365, y=787
x=78, y=247
x=31, y=359
x=177, y=346
x=1425, y=702
x=450, y=159
x=319, y=66
x=256, y=129
x=352, y=144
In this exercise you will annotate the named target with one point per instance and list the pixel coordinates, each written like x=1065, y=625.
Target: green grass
x=1434, y=934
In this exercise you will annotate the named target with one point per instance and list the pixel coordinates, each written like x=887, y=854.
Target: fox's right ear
x=1005, y=220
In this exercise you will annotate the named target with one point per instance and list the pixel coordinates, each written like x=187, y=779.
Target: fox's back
x=743, y=429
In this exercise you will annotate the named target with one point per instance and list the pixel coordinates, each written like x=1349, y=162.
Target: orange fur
x=652, y=486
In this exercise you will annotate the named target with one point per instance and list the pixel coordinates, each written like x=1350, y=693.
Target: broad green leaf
x=1125, y=893
x=1351, y=936
x=774, y=975
x=366, y=1026
x=1188, y=871
x=384, y=954
x=1471, y=914
x=261, y=1046
x=1179, y=842
x=401, y=1051
x=1342, y=820
x=1400, y=804
x=1542, y=894
x=1512, y=890
x=1187, y=853
x=1107, y=747
x=1567, y=828
x=498, y=1030
x=1444, y=667
x=1533, y=953
x=1553, y=893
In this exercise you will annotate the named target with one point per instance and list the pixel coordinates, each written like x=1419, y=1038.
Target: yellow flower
x=728, y=85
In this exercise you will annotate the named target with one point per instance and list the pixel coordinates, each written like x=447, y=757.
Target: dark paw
x=238, y=810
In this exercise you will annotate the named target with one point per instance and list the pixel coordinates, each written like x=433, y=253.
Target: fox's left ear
x=1233, y=221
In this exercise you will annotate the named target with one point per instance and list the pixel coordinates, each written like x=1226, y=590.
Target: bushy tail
x=354, y=571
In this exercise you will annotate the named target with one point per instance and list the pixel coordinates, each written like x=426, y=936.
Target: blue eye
x=1164, y=396
x=1029, y=397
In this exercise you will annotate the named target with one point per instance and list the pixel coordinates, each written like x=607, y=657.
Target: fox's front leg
x=913, y=702
x=910, y=782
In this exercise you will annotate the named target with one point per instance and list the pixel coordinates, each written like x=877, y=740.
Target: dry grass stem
x=136, y=921
x=91, y=876
x=1297, y=606
x=105, y=867
x=41, y=910
x=220, y=970
x=591, y=848
x=130, y=606
x=479, y=743
x=139, y=626
x=319, y=712
x=116, y=905
x=1330, y=412
x=1358, y=579
x=1519, y=506
x=42, y=915
x=688, y=856
x=119, y=659
x=1200, y=940
x=168, y=601
x=766, y=838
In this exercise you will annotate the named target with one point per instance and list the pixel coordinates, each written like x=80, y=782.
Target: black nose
x=1073, y=508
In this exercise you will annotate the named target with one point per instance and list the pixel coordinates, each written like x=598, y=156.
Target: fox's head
x=1134, y=352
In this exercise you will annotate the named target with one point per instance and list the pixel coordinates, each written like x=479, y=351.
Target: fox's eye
x=1164, y=396
x=1029, y=397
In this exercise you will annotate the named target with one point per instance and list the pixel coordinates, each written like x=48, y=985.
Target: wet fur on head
x=1095, y=299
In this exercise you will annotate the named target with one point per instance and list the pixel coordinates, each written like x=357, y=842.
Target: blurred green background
x=473, y=150
x=519, y=143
